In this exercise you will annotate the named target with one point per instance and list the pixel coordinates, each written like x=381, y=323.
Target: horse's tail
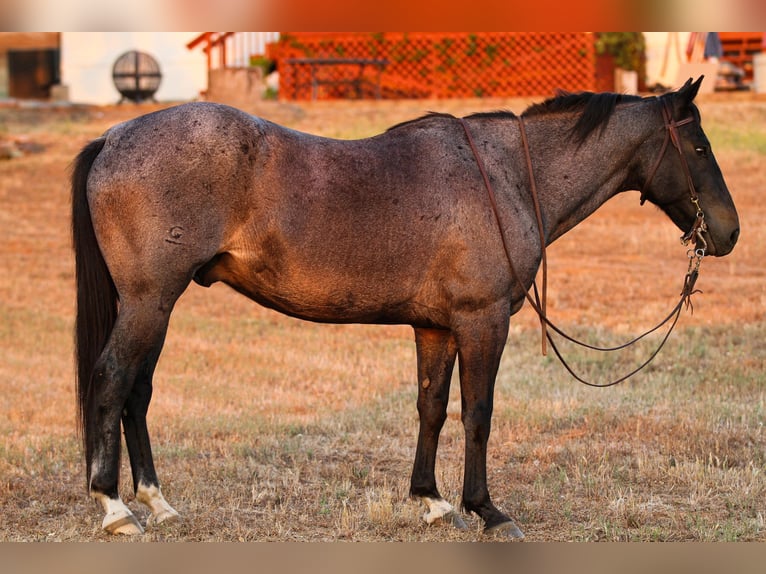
x=96, y=293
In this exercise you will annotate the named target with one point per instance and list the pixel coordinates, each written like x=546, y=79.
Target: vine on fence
x=441, y=65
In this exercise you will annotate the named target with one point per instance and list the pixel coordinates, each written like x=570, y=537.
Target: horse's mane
x=499, y=114
x=595, y=109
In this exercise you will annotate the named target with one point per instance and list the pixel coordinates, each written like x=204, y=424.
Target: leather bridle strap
x=542, y=303
x=539, y=304
x=671, y=134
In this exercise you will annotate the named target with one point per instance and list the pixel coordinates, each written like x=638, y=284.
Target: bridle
x=539, y=303
x=672, y=135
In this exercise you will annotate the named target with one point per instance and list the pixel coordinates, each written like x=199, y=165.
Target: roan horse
x=393, y=229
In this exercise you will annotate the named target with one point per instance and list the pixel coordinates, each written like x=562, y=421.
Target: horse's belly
x=342, y=303
x=315, y=294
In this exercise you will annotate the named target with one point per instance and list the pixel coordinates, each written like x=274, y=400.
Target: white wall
x=665, y=51
x=87, y=59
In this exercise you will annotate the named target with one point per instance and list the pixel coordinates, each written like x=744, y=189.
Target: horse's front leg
x=480, y=345
x=436, y=350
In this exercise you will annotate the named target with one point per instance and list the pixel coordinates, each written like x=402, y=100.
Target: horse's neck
x=573, y=181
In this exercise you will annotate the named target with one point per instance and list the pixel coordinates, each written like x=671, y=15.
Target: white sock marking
x=117, y=513
x=437, y=508
x=152, y=497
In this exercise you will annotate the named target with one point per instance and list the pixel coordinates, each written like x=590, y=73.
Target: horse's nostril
x=734, y=236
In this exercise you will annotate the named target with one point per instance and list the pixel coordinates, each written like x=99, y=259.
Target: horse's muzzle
x=720, y=244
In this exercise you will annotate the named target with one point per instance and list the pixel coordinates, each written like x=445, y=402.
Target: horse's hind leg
x=145, y=482
x=436, y=351
x=129, y=356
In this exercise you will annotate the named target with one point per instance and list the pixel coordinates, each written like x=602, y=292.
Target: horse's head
x=683, y=178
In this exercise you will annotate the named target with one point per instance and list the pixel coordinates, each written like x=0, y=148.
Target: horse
x=392, y=229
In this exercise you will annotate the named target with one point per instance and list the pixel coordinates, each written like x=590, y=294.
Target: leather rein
x=539, y=303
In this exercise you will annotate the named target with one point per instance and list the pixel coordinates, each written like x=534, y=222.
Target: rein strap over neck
x=539, y=304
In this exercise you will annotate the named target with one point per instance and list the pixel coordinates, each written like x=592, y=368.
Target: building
x=78, y=65
x=29, y=64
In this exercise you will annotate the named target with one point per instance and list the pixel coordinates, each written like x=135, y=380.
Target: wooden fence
x=436, y=65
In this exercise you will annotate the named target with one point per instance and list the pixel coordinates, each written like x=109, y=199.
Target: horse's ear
x=688, y=91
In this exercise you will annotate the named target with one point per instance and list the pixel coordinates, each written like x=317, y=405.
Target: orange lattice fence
x=435, y=65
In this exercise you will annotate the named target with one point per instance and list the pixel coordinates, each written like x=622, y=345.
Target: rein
x=539, y=303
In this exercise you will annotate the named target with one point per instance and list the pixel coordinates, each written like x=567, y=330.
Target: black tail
x=96, y=294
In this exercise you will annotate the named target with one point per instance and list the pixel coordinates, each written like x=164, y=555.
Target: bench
x=316, y=79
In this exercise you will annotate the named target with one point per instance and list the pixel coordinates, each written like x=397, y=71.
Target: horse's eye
x=701, y=151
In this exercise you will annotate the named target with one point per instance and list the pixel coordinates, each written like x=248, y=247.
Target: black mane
x=499, y=114
x=595, y=109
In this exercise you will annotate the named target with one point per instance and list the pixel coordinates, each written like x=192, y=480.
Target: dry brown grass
x=267, y=428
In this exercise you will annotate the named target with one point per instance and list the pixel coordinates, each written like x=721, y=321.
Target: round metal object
x=136, y=76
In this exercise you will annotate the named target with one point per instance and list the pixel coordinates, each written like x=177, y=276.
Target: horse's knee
x=477, y=422
x=433, y=412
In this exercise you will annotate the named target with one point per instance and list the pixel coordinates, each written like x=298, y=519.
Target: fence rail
x=232, y=49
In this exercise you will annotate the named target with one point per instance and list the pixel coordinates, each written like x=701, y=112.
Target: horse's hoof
x=440, y=511
x=505, y=530
x=454, y=519
x=121, y=523
x=167, y=516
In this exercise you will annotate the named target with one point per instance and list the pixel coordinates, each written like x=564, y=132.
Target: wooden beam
x=30, y=40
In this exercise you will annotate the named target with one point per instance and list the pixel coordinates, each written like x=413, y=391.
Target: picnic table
x=315, y=65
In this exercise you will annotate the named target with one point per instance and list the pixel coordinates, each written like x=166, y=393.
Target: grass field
x=268, y=428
